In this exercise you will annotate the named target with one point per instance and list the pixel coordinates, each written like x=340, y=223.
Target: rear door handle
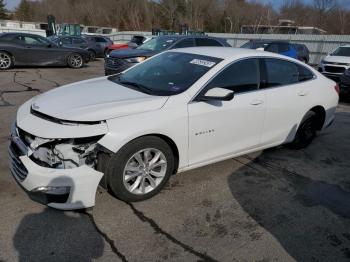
x=256, y=102
x=302, y=93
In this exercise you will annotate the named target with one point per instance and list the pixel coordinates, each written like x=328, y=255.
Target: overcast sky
x=11, y=4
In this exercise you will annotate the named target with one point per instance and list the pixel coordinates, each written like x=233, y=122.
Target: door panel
x=222, y=128
x=286, y=98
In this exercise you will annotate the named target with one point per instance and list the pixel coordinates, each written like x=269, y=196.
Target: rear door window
x=283, y=48
x=207, y=42
x=273, y=48
x=66, y=40
x=280, y=72
x=100, y=40
x=304, y=74
x=188, y=42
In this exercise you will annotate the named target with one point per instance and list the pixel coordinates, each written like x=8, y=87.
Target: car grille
x=334, y=69
x=17, y=168
x=114, y=62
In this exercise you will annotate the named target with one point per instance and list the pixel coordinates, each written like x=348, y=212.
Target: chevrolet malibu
x=179, y=110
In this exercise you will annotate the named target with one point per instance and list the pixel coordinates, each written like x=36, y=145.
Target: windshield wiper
x=144, y=89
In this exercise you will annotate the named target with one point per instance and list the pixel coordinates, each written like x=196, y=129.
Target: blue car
x=278, y=47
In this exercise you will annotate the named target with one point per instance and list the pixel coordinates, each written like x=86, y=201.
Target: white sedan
x=179, y=110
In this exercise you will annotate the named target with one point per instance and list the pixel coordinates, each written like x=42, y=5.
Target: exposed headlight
x=135, y=59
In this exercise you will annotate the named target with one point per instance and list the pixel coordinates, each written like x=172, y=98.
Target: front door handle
x=302, y=93
x=256, y=102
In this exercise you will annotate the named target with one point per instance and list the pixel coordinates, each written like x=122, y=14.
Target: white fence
x=22, y=30
x=319, y=45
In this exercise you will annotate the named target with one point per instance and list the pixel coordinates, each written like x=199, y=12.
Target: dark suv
x=98, y=44
x=303, y=53
x=119, y=60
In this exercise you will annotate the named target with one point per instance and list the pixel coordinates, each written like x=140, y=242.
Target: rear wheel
x=140, y=169
x=306, y=131
x=6, y=60
x=75, y=61
x=92, y=55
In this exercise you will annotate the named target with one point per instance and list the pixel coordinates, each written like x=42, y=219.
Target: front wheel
x=75, y=61
x=6, y=61
x=306, y=131
x=140, y=169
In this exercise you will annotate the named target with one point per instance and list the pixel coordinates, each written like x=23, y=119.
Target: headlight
x=135, y=59
x=322, y=62
x=347, y=72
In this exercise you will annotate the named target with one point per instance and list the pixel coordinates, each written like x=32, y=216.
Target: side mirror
x=219, y=94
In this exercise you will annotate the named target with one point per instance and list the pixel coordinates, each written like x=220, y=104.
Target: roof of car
x=227, y=53
x=186, y=36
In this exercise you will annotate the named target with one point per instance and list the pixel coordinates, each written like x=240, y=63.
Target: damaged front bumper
x=62, y=186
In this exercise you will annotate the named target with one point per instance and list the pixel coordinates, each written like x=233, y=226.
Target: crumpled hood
x=95, y=100
x=337, y=59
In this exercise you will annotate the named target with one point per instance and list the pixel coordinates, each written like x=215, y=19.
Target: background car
x=278, y=47
x=78, y=42
x=303, y=53
x=345, y=84
x=120, y=60
x=335, y=64
x=20, y=49
x=98, y=45
x=135, y=41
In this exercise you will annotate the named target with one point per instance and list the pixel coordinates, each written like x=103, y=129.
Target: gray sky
x=11, y=4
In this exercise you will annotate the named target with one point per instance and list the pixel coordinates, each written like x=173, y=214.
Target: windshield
x=168, y=74
x=157, y=44
x=342, y=51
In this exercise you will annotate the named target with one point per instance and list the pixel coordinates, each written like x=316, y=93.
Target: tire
x=6, y=61
x=92, y=55
x=75, y=61
x=127, y=170
x=306, y=131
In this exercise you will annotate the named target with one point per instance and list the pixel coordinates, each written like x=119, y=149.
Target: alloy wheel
x=76, y=61
x=144, y=171
x=5, y=61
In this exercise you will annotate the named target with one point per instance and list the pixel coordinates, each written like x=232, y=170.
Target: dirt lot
x=275, y=205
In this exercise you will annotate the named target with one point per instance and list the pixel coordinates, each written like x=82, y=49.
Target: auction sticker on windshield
x=202, y=62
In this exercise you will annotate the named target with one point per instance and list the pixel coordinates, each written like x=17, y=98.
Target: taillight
x=337, y=88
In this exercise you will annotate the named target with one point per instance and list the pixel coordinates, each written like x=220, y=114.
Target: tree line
x=200, y=15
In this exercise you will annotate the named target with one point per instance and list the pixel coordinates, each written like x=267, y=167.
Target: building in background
x=284, y=26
